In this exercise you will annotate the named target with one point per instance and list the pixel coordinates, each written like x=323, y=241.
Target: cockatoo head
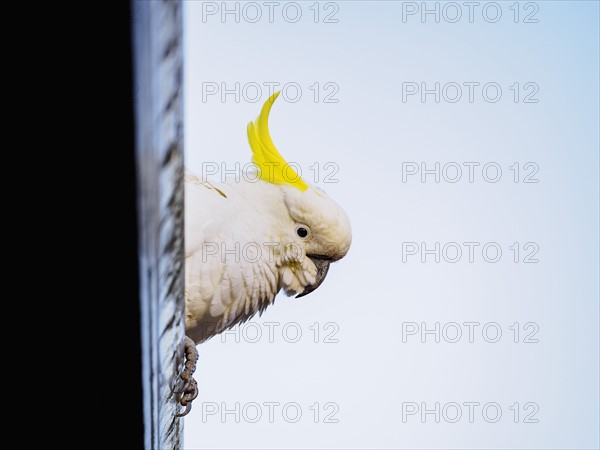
x=316, y=230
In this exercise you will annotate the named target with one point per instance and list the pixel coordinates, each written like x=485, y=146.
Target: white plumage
x=244, y=241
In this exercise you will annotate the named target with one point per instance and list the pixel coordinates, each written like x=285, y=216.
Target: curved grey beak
x=322, y=268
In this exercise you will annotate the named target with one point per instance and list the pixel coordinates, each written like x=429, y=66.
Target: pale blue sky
x=369, y=135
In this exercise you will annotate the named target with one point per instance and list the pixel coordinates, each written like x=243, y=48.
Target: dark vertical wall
x=158, y=113
x=130, y=421
x=100, y=274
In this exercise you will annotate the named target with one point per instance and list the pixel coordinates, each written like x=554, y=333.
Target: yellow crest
x=271, y=165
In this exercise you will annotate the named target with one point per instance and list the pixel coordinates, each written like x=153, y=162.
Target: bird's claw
x=185, y=384
x=189, y=389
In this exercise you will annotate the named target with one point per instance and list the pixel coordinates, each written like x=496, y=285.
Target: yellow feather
x=271, y=165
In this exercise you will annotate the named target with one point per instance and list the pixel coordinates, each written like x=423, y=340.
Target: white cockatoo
x=246, y=239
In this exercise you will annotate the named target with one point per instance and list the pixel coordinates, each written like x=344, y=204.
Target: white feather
x=226, y=284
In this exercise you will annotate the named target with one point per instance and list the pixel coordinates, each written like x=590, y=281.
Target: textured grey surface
x=159, y=153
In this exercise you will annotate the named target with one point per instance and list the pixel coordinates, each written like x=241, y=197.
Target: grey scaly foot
x=189, y=390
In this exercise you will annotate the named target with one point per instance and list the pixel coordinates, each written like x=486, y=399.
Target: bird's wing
x=229, y=274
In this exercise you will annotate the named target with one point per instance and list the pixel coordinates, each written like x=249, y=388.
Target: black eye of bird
x=302, y=232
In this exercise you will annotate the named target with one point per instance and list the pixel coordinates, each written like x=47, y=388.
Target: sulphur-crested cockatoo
x=248, y=238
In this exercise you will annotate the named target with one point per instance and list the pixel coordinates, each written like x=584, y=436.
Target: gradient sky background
x=368, y=135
